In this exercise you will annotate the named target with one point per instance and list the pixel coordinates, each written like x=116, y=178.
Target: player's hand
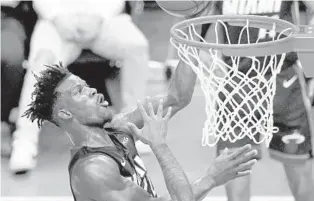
x=228, y=166
x=155, y=127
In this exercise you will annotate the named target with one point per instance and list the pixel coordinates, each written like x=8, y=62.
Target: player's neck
x=89, y=136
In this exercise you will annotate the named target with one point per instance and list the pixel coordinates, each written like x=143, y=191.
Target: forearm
x=179, y=94
x=182, y=85
x=137, y=7
x=176, y=181
x=201, y=187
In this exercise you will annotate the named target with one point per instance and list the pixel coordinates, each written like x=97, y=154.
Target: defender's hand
x=155, y=127
x=227, y=167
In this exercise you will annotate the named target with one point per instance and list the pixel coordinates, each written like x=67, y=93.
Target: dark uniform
x=124, y=154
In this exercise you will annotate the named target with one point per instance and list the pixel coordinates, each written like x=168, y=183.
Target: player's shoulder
x=96, y=167
x=93, y=173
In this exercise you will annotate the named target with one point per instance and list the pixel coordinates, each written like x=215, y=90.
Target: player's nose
x=92, y=92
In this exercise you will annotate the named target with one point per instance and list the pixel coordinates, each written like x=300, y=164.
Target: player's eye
x=77, y=90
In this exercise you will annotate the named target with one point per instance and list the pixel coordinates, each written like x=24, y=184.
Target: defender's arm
x=178, y=96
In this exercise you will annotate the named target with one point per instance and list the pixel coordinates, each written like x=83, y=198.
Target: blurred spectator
x=16, y=27
x=63, y=30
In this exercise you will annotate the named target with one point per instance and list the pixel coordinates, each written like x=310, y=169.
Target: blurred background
x=49, y=177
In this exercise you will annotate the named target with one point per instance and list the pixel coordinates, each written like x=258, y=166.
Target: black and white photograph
x=166, y=100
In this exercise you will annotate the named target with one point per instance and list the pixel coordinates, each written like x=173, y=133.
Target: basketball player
x=105, y=164
x=289, y=111
x=65, y=28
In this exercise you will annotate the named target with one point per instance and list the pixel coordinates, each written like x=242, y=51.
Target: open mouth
x=101, y=100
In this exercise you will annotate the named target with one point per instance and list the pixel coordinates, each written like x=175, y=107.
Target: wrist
x=209, y=180
x=202, y=187
x=158, y=146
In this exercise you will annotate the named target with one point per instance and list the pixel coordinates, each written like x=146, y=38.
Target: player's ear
x=64, y=114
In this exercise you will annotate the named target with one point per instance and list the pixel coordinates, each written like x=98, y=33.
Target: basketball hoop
x=240, y=104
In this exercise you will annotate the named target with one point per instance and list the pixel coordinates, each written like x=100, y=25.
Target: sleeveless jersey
x=124, y=154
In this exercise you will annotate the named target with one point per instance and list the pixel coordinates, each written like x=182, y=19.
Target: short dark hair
x=41, y=107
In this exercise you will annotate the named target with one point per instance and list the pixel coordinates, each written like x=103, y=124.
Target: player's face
x=83, y=103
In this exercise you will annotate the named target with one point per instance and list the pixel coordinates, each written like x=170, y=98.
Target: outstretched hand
x=155, y=127
x=228, y=166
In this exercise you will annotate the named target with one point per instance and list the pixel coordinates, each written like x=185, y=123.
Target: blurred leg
x=12, y=72
x=46, y=47
x=301, y=180
x=121, y=40
x=292, y=144
x=239, y=189
x=11, y=82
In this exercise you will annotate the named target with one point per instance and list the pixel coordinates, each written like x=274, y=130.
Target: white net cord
x=237, y=104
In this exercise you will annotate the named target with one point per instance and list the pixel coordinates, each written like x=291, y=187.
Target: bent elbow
x=184, y=101
x=187, y=100
x=179, y=103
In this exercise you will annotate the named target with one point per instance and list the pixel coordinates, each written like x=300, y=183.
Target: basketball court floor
x=50, y=178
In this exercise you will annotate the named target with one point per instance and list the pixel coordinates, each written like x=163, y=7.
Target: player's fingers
x=135, y=131
x=242, y=174
x=151, y=110
x=245, y=166
x=160, y=108
x=245, y=157
x=168, y=115
x=224, y=153
x=239, y=151
x=147, y=99
x=142, y=111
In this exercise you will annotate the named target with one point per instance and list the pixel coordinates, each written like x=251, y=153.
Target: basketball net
x=237, y=104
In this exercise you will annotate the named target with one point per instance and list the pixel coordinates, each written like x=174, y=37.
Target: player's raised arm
x=178, y=96
x=99, y=178
x=181, y=88
x=154, y=134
